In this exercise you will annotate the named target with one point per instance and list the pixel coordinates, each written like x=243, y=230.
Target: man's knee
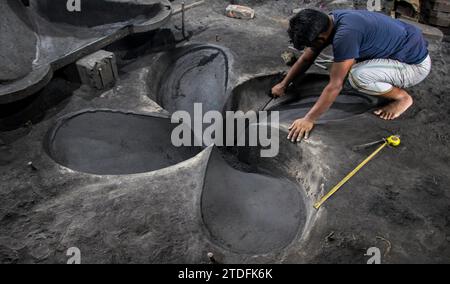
x=366, y=80
x=359, y=77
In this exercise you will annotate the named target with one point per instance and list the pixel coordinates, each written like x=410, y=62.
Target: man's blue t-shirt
x=364, y=35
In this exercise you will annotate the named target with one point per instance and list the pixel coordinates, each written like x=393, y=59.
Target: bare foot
x=395, y=109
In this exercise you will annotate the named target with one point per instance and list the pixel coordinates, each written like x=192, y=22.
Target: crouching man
x=380, y=56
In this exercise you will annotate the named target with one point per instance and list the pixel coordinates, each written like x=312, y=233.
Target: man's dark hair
x=306, y=26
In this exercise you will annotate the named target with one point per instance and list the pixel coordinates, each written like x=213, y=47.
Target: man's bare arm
x=338, y=73
x=301, y=66
x=302, y=127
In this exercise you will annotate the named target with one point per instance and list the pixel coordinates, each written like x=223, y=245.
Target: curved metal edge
x=155, y=23
x=15, y=91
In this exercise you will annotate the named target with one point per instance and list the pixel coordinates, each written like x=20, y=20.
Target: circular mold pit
x=191, y=74
x=250, y=213
x=300, y=97
x=107, y=142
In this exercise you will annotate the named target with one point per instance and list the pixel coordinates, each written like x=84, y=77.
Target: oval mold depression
x=106, y=142
x=300, y=97
x=251, y=213
x=193, y=74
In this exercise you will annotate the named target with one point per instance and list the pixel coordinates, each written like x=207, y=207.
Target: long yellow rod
x=348, y=177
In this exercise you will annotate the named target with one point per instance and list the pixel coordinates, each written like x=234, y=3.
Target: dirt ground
x=400, y=203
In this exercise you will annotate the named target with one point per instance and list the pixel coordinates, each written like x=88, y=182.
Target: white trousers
x=380, y=76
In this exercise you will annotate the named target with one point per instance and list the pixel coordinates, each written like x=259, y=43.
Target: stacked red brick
x=437, y=13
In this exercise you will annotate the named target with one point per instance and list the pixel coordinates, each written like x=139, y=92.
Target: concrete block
x=98, y=70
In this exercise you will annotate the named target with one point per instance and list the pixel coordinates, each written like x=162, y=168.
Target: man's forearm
x=303, y=126
x=300, y=67
x=325, y=101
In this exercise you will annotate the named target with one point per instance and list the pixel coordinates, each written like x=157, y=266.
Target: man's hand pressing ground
x=300, y=129
x=279, y=90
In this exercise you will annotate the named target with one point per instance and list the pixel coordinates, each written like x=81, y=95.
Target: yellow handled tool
x=391, y=141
